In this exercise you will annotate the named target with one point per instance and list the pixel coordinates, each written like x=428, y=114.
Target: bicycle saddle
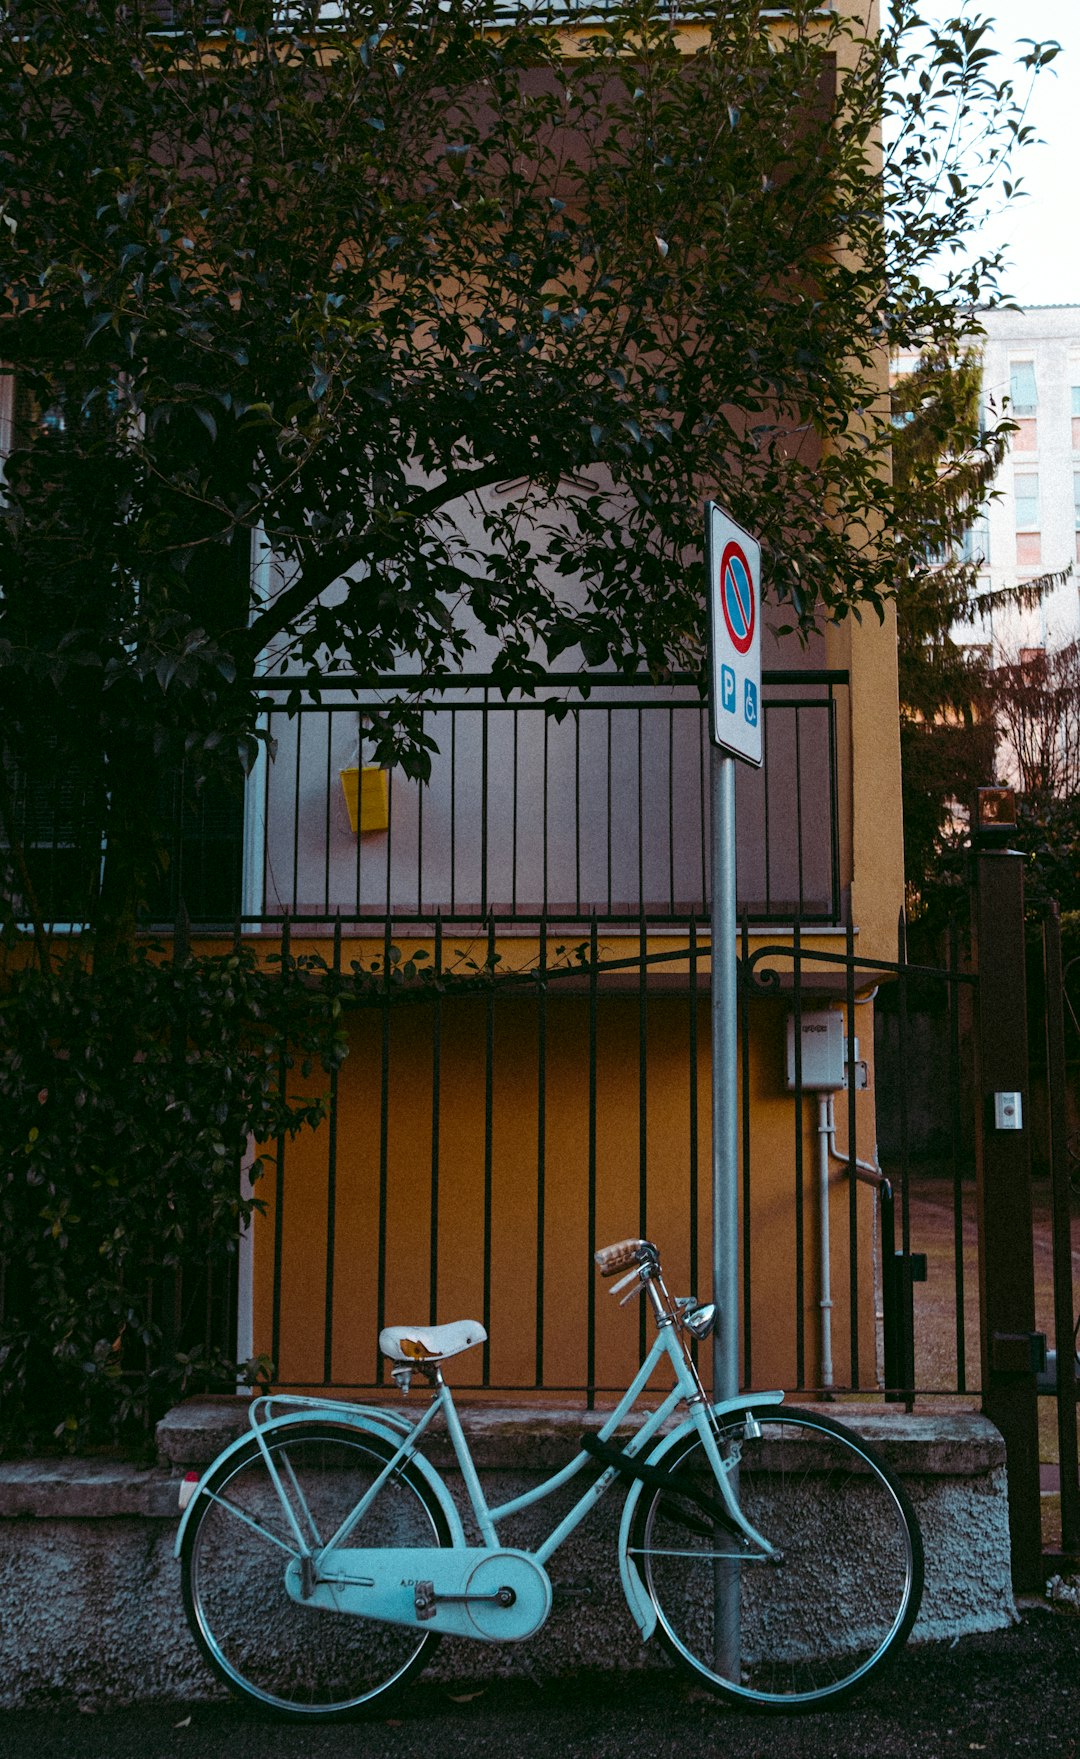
x=430, y=1343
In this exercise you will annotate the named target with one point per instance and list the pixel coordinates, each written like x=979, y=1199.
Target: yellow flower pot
x=367, y=797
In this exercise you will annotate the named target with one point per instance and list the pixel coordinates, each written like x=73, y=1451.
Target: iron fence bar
x=798, y=811
x=326, y=809
x=514, y=815
x=331, y=1183
x=608, y=815
x=744, y=1036
x=438, y=681
x=420, y=794
x=577, y=811
x=692, y=966
x=436, y=1101
x=369, y=924
x=590, y=1279
x=800, y=1285
x=391, y=798
x=453, y=813
x=906, y=1289
x=703, y=743
x=484, y=805
x=359, y=788
x=671, y=807
x=643, y=1119
x=384, y=1155
x=279, y=1179
x=546, y=804
x=640, y=843
x=834, y=806
x=767, y=791
x=541, y=1150
x=547, y=706
x=489, y=1129
x=296, y=810
x=954, y=994
x=1061, y=1208
x=853, y=1182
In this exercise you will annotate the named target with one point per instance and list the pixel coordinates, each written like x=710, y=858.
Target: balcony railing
x=589, y=799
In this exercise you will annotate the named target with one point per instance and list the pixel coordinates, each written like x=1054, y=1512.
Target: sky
x=1041, y=230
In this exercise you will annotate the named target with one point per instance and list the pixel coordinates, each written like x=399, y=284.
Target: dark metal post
x=1003, y=1167
x=1062, y=1227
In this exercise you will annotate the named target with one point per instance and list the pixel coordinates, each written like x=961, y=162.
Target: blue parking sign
x=733, y=572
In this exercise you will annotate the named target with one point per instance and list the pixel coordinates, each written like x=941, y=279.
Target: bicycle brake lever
x=622, y=1282
x=639, y=1290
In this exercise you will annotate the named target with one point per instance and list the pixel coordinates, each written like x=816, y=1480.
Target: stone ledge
x=544, y=1437
x=85, y=1490
x=503, y=1438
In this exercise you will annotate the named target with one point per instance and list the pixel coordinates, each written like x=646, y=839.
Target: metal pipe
x=824, y=1133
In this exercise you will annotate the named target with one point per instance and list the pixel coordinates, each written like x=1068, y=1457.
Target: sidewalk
x=1003, y=1695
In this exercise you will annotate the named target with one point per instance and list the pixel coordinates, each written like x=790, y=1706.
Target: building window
x=1076, y=418
x=1023, y=398
x=974, y=546
x=1028, y=539
x=1027, y=501
x=1026, y=437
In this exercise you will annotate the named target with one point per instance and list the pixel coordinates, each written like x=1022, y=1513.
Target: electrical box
x=824, y=1052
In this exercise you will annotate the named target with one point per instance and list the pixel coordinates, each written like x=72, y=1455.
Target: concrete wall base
x=90, y=1608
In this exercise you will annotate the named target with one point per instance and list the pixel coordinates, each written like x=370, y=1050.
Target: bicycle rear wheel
x=302, y=1662
x=816, y=1624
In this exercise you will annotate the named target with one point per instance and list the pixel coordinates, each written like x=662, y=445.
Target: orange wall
x=463, y=1104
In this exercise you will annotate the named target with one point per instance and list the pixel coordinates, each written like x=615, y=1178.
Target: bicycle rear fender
x=371, y=1418
x=637, y=1598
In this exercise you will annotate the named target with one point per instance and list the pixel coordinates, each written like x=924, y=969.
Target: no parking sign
x=733, y=566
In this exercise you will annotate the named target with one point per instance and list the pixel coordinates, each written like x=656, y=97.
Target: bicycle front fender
x=370, y=1418
x=637, y=1598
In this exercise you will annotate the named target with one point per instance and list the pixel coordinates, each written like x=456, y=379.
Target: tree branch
x=315, y=576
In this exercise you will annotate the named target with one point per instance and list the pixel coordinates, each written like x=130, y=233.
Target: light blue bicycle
x=323, y=1557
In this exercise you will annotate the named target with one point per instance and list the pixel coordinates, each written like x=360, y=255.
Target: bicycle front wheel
x=303, y=1662
x=813, y=1624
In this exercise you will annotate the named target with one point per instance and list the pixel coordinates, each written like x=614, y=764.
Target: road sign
x=733, y=564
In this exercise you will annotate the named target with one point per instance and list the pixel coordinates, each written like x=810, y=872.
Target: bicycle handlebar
x=624, y=1253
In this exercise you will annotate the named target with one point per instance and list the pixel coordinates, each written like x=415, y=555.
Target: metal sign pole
x=727, y=1634
x=733, y=568
x=725, y=1080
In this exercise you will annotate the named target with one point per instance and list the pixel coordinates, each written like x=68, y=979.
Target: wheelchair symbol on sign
x=750, y=703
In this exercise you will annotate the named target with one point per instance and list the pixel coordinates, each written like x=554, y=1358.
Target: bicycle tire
x=302, y=1663
x=816, y=1626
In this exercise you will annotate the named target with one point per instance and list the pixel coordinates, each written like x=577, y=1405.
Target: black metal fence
x=493, y=1125
x=589, y=798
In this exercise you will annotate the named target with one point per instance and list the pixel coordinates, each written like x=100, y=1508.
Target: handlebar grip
x=611, y=1259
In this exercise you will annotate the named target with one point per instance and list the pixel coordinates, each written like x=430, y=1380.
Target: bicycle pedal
x=571, y=1593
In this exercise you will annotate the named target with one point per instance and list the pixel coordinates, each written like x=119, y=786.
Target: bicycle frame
x=375, y=1586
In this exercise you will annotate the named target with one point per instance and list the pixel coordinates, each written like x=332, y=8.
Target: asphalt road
x=1003, y=1696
